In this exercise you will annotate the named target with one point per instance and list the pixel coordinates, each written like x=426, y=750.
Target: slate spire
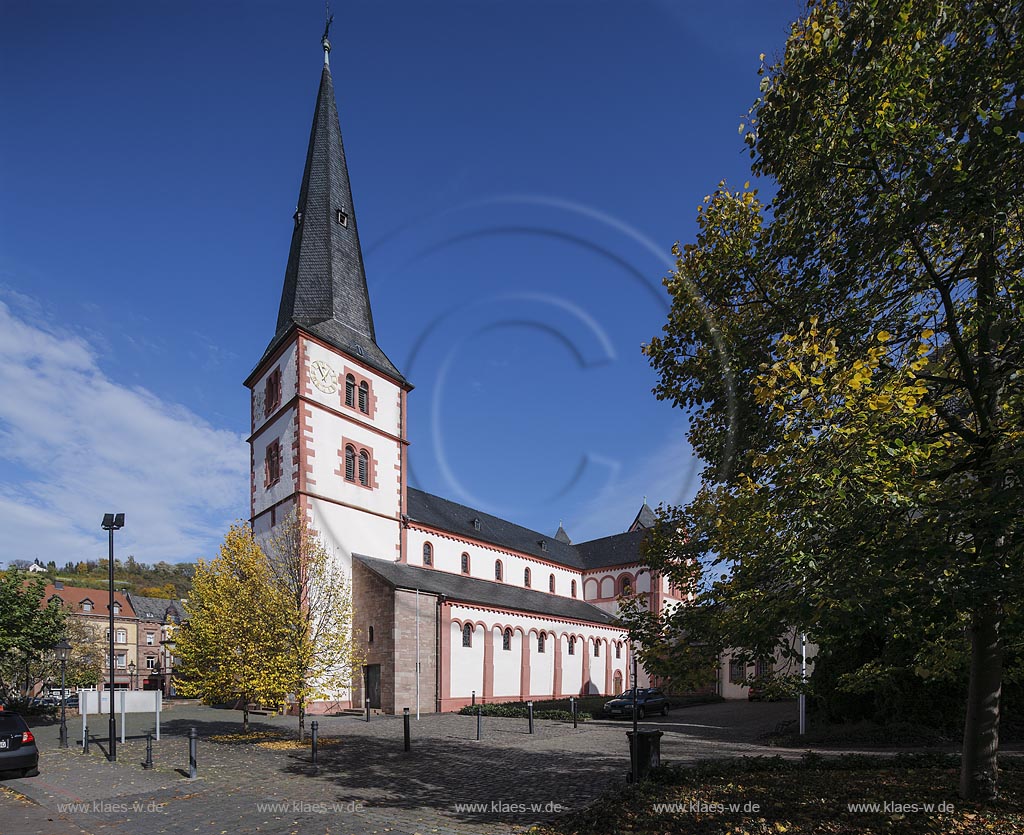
x=325, y=289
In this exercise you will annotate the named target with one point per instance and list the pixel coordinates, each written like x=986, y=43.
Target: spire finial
x=324, y=42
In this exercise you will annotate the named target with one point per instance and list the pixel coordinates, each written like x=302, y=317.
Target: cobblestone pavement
x=365, y=784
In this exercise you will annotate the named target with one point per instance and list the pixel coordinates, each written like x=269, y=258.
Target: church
x=451, y=604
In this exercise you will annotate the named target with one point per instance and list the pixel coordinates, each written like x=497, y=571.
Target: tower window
x=428, y=554
x=350, y=463
x=364, y=398
x=364, y=468
x=350, y=391
x=272, y=464
x=526, y=577
x=506, y=639
x=341, y=217
x=272, y=392
x=467, y=635
x=465, y=563
x=497, y=570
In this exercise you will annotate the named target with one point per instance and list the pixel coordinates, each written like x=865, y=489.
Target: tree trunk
x=302, y=719
x=245, y=718
x=979, y=775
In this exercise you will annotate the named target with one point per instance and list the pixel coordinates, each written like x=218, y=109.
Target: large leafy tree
x=29, y=627
x=318, y=598
x=235, y=645
x=851, y=354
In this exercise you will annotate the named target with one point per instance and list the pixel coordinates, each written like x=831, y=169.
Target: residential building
x=158, y=618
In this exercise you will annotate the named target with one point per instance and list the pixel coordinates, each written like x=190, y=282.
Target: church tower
x=328, y=406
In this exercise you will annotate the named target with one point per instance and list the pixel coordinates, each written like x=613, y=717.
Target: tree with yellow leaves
x=236, y=643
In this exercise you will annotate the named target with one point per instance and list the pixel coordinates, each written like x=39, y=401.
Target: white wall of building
x=286, y=363
x=467, y=663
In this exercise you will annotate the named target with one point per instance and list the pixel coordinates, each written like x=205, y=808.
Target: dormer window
x=476, y=524
x=543, y=544
x=341, y=217
x=297, y=217
x=86, y=605
x=117, y=608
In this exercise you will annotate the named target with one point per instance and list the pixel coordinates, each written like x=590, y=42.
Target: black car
x=18, y=750
x=648, y=700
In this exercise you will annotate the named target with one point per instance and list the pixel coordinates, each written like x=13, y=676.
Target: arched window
x=364, y=398
x=465, y=563
x=572, y=645
x=551, y=584
x=428, y=554
x=467, y=635
x=506, y=639
x=540, y=642
x=350, y=463
x=350, y=391
x=497, y=570
x=572, y=587
x=597, y=649
x=364, y=468
x=625, y=585
x=618, y=649
x=526, y=577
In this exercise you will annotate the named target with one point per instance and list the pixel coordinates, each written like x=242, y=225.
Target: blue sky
x=520, y=172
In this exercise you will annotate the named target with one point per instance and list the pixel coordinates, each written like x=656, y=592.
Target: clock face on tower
x=323, y=377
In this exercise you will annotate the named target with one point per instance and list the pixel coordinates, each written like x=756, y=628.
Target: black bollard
x=472, y=702
x=193, y=737
x=85, y=742
x=315, y=728
x=367, y=708
x=529, y=712
x=572, y=707
x=478, y=722
x=408, y=729
x=149, y=752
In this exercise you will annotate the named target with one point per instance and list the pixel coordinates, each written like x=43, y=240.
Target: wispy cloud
x=75, y=444
x=670, y=475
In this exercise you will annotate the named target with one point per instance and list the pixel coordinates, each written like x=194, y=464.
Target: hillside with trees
x=162, y=579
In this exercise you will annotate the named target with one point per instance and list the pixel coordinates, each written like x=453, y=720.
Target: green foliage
x=28, y=630
x=852, y=357
x=518, y=710
x=162, y=579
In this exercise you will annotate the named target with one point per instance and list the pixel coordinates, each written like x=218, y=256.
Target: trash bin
x=648, y=752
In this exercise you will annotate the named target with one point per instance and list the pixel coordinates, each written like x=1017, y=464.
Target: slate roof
x=325, y=290
x=562, y=536
x=484, y=592
x=155, y=608
x=458, y=519
x=645, y=518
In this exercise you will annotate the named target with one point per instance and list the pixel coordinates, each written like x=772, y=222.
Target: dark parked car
x=18, y=750
x=648, y=700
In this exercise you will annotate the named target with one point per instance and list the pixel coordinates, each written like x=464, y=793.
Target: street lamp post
x=131, y=673
x=112, y=522
x=63, y=650
x=169, y=644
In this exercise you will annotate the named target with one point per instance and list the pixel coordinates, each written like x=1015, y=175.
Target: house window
x=526, y=577
x=121, y=636
x=506, y=639
x=117, y=608
x=364, y=398
x=763, y=668
x=369, y=635
x=350, y=463
x=572, y=588
x=121, y=660
x=428, y=554
x=465, y=563
x=497, y=570
x=364, y=468
x=273, y=464
x=86, y=605
x=150, y=639
x=597, y=649
x=150, y=662
x=618, y=649
x=737, y=671
x=272, y=393
x=551, y=584
x=467, y=635
x=541, y=639
x=350, y=391
x=572, y=646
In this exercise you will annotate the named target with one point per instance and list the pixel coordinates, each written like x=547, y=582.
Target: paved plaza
x=366, y=783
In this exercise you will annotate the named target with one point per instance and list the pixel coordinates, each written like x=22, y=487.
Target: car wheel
x=640, y=713
x=664, y=709
x=30, y=772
